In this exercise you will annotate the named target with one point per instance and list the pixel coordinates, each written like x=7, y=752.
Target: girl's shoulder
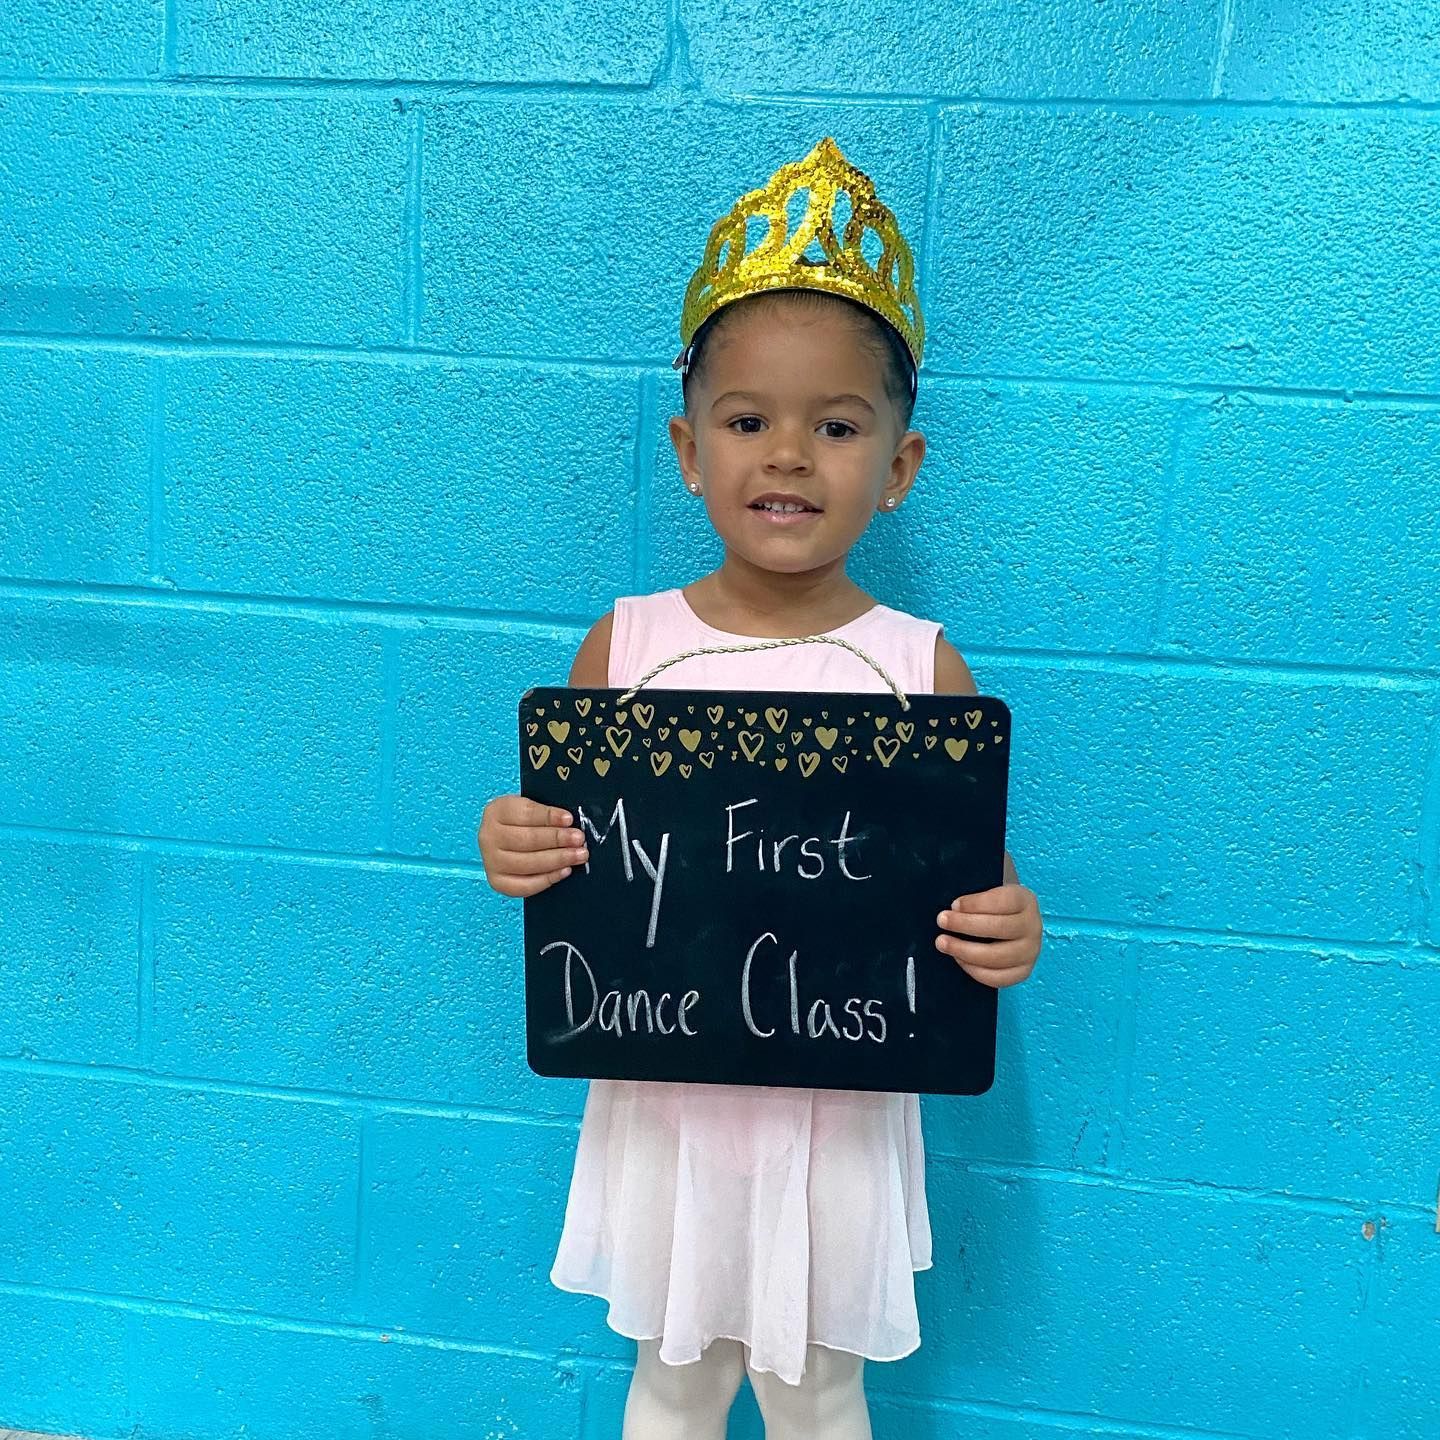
x=615, y=632
x=949, y=674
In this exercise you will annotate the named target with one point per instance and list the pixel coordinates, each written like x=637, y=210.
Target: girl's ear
x=682, y=437
x=903, y=469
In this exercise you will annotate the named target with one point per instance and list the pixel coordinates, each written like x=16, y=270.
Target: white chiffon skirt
x=780, y=1218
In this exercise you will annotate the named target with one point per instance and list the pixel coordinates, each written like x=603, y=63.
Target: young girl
x=746, y=1229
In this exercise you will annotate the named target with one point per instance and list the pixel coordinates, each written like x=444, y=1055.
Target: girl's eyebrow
x=751, y=395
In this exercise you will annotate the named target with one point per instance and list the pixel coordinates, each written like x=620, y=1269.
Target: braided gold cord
x=775, y=644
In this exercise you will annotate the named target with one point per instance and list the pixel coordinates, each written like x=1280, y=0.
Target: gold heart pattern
x=752, y=731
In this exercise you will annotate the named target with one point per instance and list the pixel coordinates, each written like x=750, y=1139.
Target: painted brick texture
x=335, y=352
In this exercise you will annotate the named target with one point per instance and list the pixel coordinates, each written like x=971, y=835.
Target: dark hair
x=882, y=338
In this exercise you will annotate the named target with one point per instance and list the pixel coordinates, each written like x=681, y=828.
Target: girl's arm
x=591, y=667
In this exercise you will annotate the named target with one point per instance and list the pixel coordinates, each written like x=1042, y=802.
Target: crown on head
x=779, y=262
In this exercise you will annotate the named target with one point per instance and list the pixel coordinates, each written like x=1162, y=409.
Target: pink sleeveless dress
x=780, y=1218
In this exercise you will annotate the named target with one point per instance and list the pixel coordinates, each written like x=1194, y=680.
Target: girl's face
x=792, y=410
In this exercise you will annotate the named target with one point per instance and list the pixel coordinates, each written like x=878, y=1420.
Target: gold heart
x=808, y=761
x=841, y=761
x=749, y=717
x=531, y=728
x=707, y=759
x=930, y=742
x=659, y=761
x=576, y=753
x=808, y=720
x=826, y=736
x=715, y=712
x=933, y=722
x=582, y=707
x=601, y=766
x=776, y=718
x=781, y=764
x=796, y=736
x=881, y=721
x=750, y=742
x=620, y=716
x=664, y=732
x=849, y=719
x=539, y=754
x=905, y=729
x=690, y=739
x=956, y=748
x=972, y=718
x=619, y=739
x=644, y=714
x=685, y=770
x=885, y=748
x=563, y=771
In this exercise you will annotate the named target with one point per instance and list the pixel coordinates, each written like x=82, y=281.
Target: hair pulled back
x=881, y=338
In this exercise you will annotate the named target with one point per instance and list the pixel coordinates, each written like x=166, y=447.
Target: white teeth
x=783, y=509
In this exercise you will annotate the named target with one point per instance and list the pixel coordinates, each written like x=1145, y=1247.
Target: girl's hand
x=526, y=846
x=1008, y=917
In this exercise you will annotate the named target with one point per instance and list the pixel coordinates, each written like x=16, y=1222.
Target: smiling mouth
x=785, y=507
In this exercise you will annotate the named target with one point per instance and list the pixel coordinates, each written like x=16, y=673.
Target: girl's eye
x=845, y=427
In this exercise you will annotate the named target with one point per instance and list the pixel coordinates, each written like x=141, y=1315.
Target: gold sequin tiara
x=779, y=261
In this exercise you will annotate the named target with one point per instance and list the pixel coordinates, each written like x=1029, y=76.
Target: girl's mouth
x=784, y=509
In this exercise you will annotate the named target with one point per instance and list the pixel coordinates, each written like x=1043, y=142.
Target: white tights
x=692, y=1402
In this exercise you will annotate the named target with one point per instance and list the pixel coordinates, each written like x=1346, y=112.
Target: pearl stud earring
x=694, y=489
x=890, y=501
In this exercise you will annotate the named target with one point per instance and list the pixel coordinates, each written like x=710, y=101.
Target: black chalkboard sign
x=765, y=871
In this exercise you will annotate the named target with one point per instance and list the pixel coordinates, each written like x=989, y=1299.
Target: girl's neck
x=752, y=601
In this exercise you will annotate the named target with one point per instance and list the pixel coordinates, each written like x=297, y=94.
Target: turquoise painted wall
x=334, y=366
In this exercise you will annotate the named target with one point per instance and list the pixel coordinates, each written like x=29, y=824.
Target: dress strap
x=776, y=643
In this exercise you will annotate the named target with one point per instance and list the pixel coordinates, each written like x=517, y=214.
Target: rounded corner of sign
x=996, y=703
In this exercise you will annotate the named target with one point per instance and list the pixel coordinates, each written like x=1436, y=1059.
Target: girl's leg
x=693, y=1401
x=827, y=1404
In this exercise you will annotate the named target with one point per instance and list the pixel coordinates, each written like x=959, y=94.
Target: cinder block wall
x=333, y=381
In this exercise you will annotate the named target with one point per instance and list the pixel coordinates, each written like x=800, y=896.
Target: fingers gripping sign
x=526, y=846
x=993, y=935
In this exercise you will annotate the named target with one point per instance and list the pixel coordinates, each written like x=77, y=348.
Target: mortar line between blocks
x=1222, y=48
x=170, y=40
x=1122, y=1086
x=1427, y=888
x=394, y=353
x=359, y=1293
x=1160, y=601
x=1362, y=1352
x=627, y=92
x=1396, y=678
x=413, y=279
x=145, y=978
x=647, y=398
x=930, y=218
x=389, y=705
x=156, y=536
